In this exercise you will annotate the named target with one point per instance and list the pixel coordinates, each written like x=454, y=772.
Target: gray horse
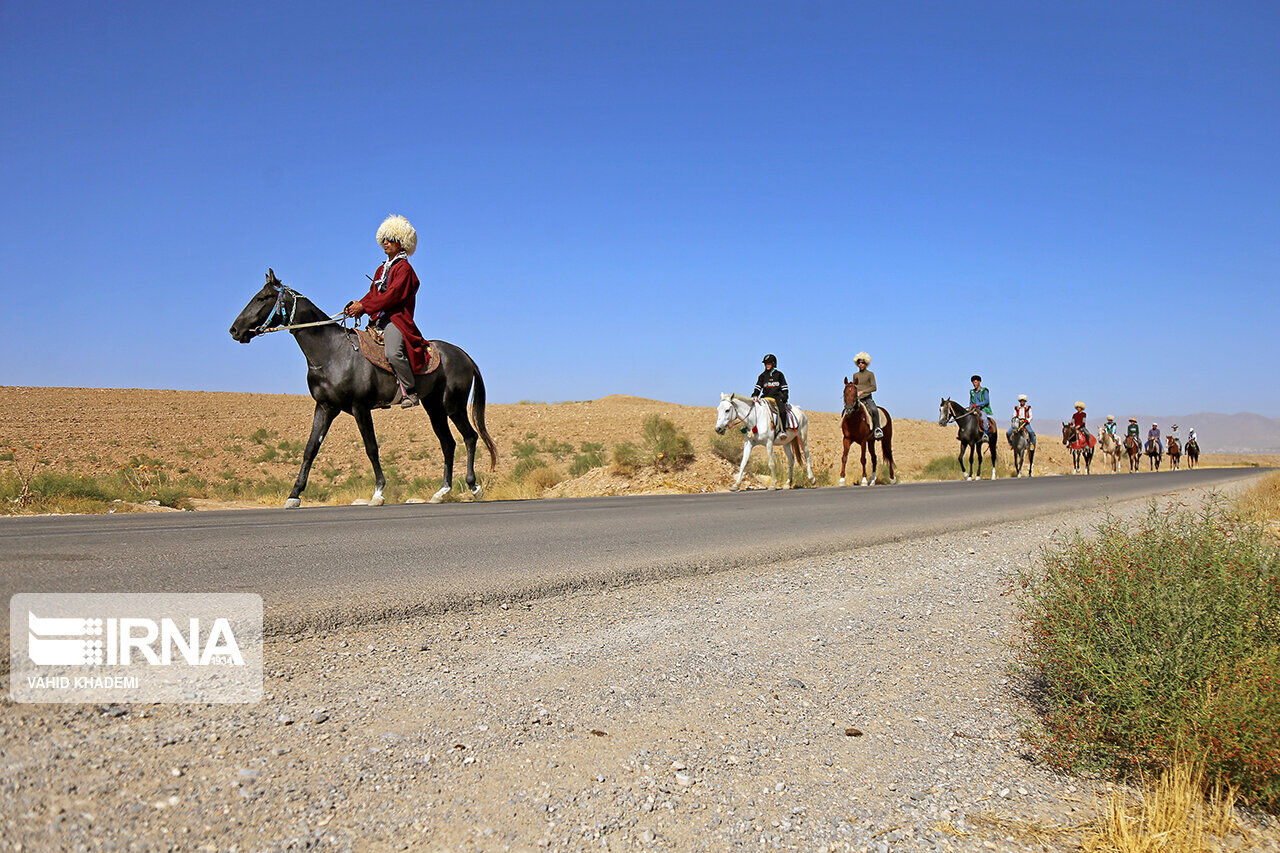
x=343, y=380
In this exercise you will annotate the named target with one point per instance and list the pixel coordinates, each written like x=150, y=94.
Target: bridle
x=731, y=399
x=951, y=412
x=287, y=316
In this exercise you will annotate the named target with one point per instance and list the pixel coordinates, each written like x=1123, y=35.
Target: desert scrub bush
x=625, y=460
x=590, y=455
x=666, y=446
x=1157, y=641
x=1262, y=503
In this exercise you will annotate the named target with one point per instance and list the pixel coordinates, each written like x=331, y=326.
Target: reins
x=278, y=308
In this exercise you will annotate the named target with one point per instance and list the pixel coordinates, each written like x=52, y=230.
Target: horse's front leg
x=773, y=471
x=844, y=458
x=742, y=468
x=319, y=429
x=963, y=448
x=864, y=462
x=365, y=421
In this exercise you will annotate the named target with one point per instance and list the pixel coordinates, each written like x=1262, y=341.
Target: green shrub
x=626, y=459
x=666, y=446
x=591, y=456
x=526, y=465
x=1158, y=641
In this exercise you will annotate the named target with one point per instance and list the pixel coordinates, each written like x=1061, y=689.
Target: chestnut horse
x=856, y=426
x=1175, y=453
x=1134, y=448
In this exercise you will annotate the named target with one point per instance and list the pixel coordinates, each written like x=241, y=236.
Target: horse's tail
x=477, y=414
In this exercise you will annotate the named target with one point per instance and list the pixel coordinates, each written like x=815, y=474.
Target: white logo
x=135, y=647
x=49, y=644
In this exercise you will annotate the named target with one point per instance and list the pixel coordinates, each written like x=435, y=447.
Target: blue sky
x=1075, y=200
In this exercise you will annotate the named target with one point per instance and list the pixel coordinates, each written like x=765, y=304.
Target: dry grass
x=1262, y=502
x=1180, y=812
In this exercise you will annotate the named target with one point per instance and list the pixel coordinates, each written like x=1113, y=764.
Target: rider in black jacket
x=772, y=384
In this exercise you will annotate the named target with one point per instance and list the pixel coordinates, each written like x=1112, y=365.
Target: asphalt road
x=326, y=566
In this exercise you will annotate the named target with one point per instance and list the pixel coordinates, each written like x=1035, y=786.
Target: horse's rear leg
x=802, y=452
x=960, y=458
x=458, y=414
x=886, y=450
x=791, y=462
x=365, y=421
x=440, y=424
x=1031, y=459
x=319, y=429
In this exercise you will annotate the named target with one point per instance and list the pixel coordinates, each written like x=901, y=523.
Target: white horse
x=757, y=417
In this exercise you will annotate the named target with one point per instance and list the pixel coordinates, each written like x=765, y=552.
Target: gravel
x=860, y=702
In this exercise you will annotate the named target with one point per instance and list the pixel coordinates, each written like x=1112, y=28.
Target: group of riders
x=980, y=405
x=392, y=295
x=771, y=387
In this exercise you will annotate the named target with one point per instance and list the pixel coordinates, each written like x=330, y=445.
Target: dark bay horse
x=856, y=427
x=1193, y=453
x=1084, y=454
x=1134, y=449
x=1023, y=451
x=1175, y=453
x=970, y=433
x=343, y=380
x=1154, y=453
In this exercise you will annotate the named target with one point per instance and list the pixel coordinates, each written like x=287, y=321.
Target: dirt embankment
x=216, y=440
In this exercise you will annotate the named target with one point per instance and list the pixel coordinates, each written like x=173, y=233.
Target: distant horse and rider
x=1192, y=450
x=1109, y=445
x=1175, y=453
x=1155, y=447
x=1022, y=437
x=975, y=426
x=760, y=428
x=864, y=422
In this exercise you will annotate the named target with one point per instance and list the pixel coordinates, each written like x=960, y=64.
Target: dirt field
x=237, y=449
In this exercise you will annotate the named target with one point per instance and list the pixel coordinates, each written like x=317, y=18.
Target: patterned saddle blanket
x=374, y=348
x=1084, y=441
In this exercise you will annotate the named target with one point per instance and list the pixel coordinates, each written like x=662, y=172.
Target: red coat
x=397, y=303
x=1078, y=419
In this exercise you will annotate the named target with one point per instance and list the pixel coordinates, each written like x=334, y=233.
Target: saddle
x=1084, y=440
x=374, y=348
x=792, y=423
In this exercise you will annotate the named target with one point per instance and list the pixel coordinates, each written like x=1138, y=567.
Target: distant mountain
x=1244, y=432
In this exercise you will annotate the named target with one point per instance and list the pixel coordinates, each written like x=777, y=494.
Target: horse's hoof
x=439, y=496
x=864, y=481
x=773, y=488
x=293, y=503
x=893, y=481
x=993, y=475
x=377, y=500
x=477, y=494
x=842, y=481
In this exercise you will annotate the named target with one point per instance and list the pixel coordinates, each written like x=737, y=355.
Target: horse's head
x=265, y=306
x=1068, y=432
x=850, y=395
x=724, y=413
x=944, y=411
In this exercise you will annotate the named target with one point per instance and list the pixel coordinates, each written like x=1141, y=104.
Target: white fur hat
x=1022, y=398
x=1111, y=417
x=862, y=356
x=398, y=229
x=1079, y=405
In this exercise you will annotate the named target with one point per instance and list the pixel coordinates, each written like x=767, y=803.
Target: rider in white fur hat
x=864, y=382
x=390, y=302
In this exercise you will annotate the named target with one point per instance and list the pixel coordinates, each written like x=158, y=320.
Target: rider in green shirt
x=980, y=402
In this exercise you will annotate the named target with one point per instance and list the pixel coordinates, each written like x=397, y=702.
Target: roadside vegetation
x=1156, y=647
